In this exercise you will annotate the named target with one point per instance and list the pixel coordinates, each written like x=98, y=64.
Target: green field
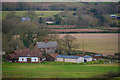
x=37, y=70
x=105, y=43
x=39, y=13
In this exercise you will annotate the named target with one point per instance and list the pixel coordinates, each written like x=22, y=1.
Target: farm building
x=25, y=19
x=97, y=57
x=65, y=58
x=50, y=22
x=51, y=57
x=47, y=46
x=25, y=55
x=87, y=58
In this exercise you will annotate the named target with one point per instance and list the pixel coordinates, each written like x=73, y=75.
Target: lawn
x=38, y=70
x=39, y=13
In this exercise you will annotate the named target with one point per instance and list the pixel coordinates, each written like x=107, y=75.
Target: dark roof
x=25, y=53
x=87, y=57
x=48, y=44
x=65, y=56
x=54, y=55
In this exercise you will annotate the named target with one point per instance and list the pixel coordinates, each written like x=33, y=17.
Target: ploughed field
x=105, y=43
x=38, y=70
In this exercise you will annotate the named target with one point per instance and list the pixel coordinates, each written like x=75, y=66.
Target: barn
x=87, y=58
x=65, y=58
x=25, y=55
x=97, y=57
x=51, y=57
x=47, y=46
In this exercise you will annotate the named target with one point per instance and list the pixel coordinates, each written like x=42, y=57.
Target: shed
x=87, y=58
x=51, y=57
x=97, y=56
x=66, y=58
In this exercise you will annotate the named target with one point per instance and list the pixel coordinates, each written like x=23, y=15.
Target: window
x=35, y=59
x=22, y=59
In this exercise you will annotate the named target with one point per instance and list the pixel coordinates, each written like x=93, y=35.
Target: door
x=28, y=59
x=63, y=59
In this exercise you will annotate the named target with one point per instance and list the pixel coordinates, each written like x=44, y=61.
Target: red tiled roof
x=54, y=55
x=25, y=53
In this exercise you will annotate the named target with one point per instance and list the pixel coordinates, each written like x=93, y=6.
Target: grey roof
x=87, y=57
x=98, y=54
x=49, y=44
x=65, y=56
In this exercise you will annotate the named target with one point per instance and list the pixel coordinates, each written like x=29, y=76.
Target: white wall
x=88, y=59
x=59, y=59
x=81, y=59
x=25, y=59
x=70, y=60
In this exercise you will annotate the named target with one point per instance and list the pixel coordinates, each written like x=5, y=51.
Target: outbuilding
x=87, y=58
x=66, y=58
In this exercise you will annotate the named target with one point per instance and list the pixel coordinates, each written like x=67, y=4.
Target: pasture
x=105, y=43
x=38, y=70
x=39, y=13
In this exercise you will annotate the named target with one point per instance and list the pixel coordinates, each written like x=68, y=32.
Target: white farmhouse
x=65, y=58
x=87, y=58
x=25, y=55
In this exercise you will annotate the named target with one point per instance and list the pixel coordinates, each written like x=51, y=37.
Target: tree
x=58, y=19
x=69, y=43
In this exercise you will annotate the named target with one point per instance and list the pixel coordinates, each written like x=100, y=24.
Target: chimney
x=46, y=40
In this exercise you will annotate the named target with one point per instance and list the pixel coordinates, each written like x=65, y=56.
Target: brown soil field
x=77, y=30
x=104, y=43
x=64, y=26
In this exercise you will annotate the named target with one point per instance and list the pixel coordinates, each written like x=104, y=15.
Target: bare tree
x=69, y=43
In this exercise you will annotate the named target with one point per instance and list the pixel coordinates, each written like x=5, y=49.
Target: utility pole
x=83, y=44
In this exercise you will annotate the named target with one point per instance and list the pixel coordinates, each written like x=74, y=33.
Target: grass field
x=105, y=43
x=39, y=13
x=37, y=70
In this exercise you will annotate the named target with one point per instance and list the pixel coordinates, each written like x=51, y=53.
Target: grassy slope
x=37, y=70
x=46, y=13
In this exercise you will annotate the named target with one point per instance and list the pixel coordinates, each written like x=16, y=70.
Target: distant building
x=65, y=58
x=25, y=19
x=50, y=22
x=97, y=56
x=47, y=46
x=87, y=58
x=25, y=56
x=51, y=57
x=115, y=16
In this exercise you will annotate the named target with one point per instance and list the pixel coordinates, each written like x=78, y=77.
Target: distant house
x=47, y=46
x=25, y=19
x=25, y=55
x=115, y=16
x=49, y=22
x=97, y=56
x=87, y=58
x=51, y=57
x=65, y=58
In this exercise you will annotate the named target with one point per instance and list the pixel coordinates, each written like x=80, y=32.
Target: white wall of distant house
x=24, y=59
x=88, y=59
x=79, y=60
